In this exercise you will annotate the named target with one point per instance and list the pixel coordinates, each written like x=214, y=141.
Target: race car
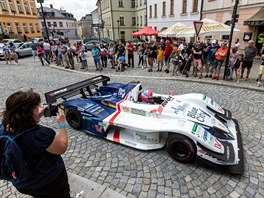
x=189, y=125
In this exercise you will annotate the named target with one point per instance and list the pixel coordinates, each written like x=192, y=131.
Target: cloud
x=78, y=8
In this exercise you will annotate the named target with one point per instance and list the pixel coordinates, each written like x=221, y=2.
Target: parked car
x=37, y=40
x=12, y=41
x=24, y=49
x=89, y=45
x=1, y=51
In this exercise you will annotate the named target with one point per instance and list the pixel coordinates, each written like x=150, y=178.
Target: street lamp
x=44, y=19
x=118, y=29
x=98, y=29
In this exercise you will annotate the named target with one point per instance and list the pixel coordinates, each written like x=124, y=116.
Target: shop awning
x=256, y=19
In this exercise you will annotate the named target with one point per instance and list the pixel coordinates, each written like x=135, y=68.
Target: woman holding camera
x=41, y=147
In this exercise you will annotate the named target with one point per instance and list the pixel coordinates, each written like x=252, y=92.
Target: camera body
x=52, y=110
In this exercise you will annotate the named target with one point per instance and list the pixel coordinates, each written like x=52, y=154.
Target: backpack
x=13, y=168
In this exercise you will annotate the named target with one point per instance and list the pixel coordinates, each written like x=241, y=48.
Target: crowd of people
x=205, y=58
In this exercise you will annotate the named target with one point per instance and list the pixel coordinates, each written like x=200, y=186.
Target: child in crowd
x=41, y=55
x=13, y=53
x=176, y=60
x=261, y=70
x=232, y=60
x=121, y=62
x=160, y=58
x=6, y=51
x=238, y=65
x=84, y=57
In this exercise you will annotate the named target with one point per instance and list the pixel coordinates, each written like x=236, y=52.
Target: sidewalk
x=138, y=72
x=84, y=188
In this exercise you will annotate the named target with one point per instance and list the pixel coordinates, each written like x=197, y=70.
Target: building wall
x=112, y=12
x=13, y=14
x=221, y=11
x=160, y=22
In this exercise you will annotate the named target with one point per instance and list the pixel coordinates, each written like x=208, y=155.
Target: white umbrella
x=173, y=30
x=209, y=27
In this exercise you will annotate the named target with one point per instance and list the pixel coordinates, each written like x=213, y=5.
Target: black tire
x=181, y=148
x=74, y=118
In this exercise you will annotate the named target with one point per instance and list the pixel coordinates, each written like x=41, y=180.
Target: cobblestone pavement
x=135, y=173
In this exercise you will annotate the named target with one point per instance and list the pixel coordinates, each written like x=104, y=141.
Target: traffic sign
x=197, y=26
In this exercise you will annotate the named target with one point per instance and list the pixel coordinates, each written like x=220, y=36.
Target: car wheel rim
x=180, y=149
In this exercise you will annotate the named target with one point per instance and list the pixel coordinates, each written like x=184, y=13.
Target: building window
x=26, y=8
x=195, y=6
x=37, y=27
x=19, y=6
x=60, y=24
x=172, y=7
x=9, y=27
x=3, y=5
x=133, y=21
x=55, y=24
x=145, y=2
x=18, y=28
x=137, y=21
x=140, y=2
x=33, y=9
x=11, y=5
x=184, y=6
x=49, y=24
x=150, y=11
x=120, y=3
x=122, y=21
x=145, y=22
x=25, y=27
x=155, y=10
x=31, y=28
x=123, y=35
x=141, y=20
x=43, y=24
x=133, y=3
x=164, y=8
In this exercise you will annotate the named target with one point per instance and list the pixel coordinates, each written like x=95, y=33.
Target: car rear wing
x=82, y=88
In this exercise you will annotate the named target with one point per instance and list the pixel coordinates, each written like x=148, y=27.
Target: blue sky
x=78, y=8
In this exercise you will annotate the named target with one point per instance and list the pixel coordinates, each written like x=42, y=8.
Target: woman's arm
x=60, y=142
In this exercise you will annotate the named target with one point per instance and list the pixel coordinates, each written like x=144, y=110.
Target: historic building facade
x=162, y=14
x=84, y=26
x=120, y=18
x=19, y=19
x=59, y=22
x=250, y=20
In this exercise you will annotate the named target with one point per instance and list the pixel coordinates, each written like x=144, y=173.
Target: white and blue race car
x=190, y=125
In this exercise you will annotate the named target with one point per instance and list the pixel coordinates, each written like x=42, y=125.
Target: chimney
x=51, y=6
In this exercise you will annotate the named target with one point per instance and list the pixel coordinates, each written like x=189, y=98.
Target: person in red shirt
x=130, y=54
x=220, y=56
x=167, y=52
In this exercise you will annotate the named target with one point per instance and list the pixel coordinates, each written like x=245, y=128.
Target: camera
x=52, y=110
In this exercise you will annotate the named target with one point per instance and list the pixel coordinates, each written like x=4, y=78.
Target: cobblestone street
x=135, y=173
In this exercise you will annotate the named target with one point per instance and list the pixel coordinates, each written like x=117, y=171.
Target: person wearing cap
x=250, y=52
x=210, y=59
x=186, y=54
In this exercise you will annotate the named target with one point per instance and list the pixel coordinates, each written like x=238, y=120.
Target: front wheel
x=73, y=118
x=181, y=148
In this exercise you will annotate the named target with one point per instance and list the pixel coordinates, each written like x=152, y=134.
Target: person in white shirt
x=46, y=47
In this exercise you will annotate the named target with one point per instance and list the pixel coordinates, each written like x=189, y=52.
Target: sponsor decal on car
x=194, y=129
x=217, y=144
x=62, y=107
x=58, y=92
x=104, y=103
x=87, y=118
x=111, y=105
x=198, y=114
x=126, y=109
x=166, y=101
x=180, y=108
x=80, y=109
x=204, y=97
x=101, y=124
x=99, y=128
x=88, y=105
x=205, y=135
x=138, y=112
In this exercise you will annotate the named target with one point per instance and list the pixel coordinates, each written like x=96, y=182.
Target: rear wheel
x=73, y=118
x=181, y=148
